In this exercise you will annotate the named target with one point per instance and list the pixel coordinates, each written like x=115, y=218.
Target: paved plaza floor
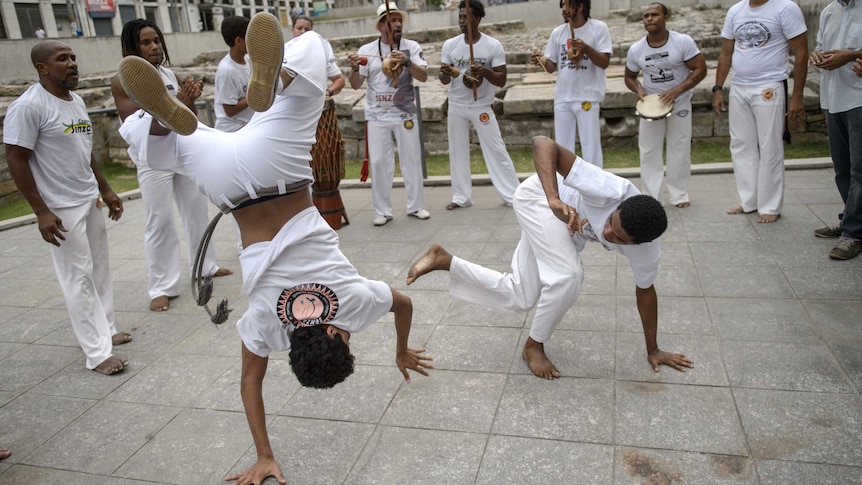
x=773, y=325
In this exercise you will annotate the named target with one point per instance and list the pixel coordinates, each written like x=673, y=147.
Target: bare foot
x=121, y=338
x=768, y=218
x=160, y=304
x=111, y=366
x=737, y=210
x=683, y=205
x=4, y=454
x=435, y=258
x=222, y=272
x=537, y=361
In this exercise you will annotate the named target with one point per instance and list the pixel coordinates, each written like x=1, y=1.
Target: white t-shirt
x=307, y=280
x=231, y=84
x=596, y=195
x=586, y=81
x=382, y=101
x=161, y=149
x=760, y=48
x=60, y=135
x=663, y=67
x=332, y=68
x=488, y=52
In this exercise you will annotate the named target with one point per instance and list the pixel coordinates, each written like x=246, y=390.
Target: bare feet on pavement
x=222, y=272
x=111, y=366
x=121, y=338
x=4, y=453
x=160, y=303
x=683, y=205
x=435, y=258
x=537, y=361
x=768, y=218
x=737, y=210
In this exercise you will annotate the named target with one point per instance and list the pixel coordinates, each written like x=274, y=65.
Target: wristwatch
x=329, y=93
x=717, y=87
x=407, y=63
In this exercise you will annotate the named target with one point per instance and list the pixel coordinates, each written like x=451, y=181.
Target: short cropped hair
x=233, y=27
x=663, y=7
x=318, y=360
x=130, y=38
x=476, y=8
x=643, y=218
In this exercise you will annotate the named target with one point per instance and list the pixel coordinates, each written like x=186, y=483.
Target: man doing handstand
x=304, y=295
x=567, y=203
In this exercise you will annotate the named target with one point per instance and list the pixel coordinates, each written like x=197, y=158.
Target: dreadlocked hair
x=130, y=38
x=318, y=360
x=574, y=4
x=643, y=218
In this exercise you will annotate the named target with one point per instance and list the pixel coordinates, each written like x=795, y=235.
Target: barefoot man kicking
x=303, y=294
x=566, y=204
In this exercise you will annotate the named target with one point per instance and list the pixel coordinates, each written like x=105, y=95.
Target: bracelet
x=329, y=93
x=717, y=87
x=355, y=68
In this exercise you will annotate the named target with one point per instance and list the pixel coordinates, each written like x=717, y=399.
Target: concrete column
x=48, y=22
x=13, y=29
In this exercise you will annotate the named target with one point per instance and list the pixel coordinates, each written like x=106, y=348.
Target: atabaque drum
x=327, y=165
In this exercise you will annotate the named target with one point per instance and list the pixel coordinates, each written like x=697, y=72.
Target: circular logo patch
x=586, y=106
x=307, y=305
x=408, y=124
x=483, y=118
x=682, y=113
x=768, y=94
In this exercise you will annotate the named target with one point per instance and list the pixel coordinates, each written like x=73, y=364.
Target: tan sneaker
x=265, y=45
x=145, y=87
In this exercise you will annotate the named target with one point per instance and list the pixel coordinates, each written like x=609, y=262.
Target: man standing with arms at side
x=756, y=37
x=839, y=45
x=672, y=65
x=231, y=79
x=581, y=82
x=390, y=111
x=488, y=70
x=49, y=148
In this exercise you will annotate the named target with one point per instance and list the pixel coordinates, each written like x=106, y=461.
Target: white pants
x=651, y=136
x=500, y=166
x=161, y=240
x=570, y=119
x=546, y=268
x=81, y=264
x=381, y=156
x=756, y=117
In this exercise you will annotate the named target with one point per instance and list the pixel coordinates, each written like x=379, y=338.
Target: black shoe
x=829, y=232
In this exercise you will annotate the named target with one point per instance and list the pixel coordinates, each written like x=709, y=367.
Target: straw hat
x=393, y=8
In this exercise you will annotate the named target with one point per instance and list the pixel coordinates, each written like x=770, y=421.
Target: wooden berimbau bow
x=468, y=11
x=391, y=41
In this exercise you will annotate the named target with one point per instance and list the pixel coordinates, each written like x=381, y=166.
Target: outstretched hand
x=258, y=473
x=677, y=361
x=414, y=360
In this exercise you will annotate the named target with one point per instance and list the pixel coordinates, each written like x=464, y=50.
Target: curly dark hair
x=476, y=8
x=130, y=38
x=318, y=360
x=643, y=218
x=233, y=27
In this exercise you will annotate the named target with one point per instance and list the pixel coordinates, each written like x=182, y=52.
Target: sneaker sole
x=145, y=88
x=265, y=45
x=827, y=236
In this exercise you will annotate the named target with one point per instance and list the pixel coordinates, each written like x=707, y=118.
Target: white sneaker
x=420, y=214
x=381, y=220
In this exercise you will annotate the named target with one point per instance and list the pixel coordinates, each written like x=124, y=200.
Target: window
x=28, y=18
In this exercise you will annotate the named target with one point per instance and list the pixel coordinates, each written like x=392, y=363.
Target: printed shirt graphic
x=307, y=305
x=663, y=67
x=60, y=135
x=760, y=35
x=488, y=52
x=586, y=81
x=383, y=102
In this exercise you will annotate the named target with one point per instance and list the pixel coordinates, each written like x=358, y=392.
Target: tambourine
x=652, y=108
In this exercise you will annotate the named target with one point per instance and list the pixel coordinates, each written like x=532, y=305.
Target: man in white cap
x=391, y=63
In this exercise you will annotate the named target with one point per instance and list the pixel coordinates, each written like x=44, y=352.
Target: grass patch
x=624, y=156
x=123, y=178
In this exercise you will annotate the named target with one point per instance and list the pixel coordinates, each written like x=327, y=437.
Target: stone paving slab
x=770, y=321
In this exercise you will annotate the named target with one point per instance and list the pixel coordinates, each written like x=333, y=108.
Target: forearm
x=545, y=156
x=22, y=176
x=631, y=81
x=235, y=109
x=497, y=78
x=647, y=303
x=402, y=307
x=355, y=79
x=419, y=73
x=104, y=186
x=600, y=59
x=337, y=84
x=251, y=389
x=800, y=72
